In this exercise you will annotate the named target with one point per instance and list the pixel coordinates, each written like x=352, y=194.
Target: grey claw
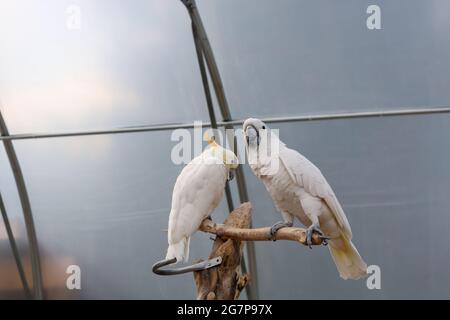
x=277, y=226
x=273, y=231
x=308, y=239
x=315, y=228
x=324, y=240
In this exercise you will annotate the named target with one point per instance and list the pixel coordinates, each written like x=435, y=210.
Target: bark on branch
x=226, y=280
x=259, y=234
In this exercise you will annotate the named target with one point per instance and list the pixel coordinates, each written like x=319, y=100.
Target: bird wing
x=308, y=176
x=197, y=192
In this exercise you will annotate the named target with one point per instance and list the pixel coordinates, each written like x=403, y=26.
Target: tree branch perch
x=258, y=234
x=226, y=280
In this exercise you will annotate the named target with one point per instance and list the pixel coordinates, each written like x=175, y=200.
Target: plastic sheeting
x=102, y=202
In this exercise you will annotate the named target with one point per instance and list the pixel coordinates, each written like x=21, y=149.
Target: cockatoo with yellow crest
x=197, y=192
x=299, y=190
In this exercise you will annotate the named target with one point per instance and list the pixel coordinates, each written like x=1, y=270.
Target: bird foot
x=277, y=226
x=211, y=237
x=309, y=232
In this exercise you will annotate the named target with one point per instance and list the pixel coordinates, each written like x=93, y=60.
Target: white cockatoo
x=197, y=192
x=299, y=189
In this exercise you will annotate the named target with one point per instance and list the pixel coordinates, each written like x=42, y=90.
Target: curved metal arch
x=27, y=212
x=205, y=53
x=15, y=250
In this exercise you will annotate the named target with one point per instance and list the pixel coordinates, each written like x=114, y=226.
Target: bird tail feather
x=347, y=259
x=179, y=250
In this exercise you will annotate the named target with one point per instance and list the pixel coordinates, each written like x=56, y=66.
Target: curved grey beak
x=251, y=134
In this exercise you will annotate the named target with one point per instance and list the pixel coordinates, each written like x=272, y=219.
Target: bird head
x=225, y=156
x=253, y=131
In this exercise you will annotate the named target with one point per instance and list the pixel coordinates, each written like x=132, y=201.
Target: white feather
x=309, y=177
x=197, y=192
x=299, y=189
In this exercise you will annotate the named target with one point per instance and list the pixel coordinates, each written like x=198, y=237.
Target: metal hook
x=195, y=267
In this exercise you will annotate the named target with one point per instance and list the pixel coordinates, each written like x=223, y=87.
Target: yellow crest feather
x=211, y=140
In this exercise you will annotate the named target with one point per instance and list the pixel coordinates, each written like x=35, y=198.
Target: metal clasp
x=195, y=267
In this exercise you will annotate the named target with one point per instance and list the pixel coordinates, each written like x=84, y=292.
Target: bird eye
x=264, y=127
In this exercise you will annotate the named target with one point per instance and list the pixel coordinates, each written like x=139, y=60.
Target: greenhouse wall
x=101, y=202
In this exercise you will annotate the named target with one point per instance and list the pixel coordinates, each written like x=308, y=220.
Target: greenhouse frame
x=89, y=112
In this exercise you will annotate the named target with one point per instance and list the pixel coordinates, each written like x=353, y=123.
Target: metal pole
x=209, y=103
x=173, y=126
x=207, y=51
x=27, y=213
x=15, y=250
x=212, y=116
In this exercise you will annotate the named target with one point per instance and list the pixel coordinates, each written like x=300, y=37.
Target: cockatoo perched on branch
x=197, y=192
x=299, y=189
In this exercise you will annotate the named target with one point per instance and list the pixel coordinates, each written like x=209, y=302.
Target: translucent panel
x=295, y=57
x=102, y=203
x=10, y=284
x=392, y=178
x=121, y=67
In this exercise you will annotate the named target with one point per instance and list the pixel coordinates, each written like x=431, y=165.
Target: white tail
x=347, y=259
x=179, y=250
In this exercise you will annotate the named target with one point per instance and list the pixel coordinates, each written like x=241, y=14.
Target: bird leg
x=277, y=226
x=288, y=221
x=210, y=219
x=314, y=227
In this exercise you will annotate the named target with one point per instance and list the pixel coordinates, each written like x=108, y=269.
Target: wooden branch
x=227, y=231
x=226, y=281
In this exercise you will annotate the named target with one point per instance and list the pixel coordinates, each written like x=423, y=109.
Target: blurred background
x=102, y=202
